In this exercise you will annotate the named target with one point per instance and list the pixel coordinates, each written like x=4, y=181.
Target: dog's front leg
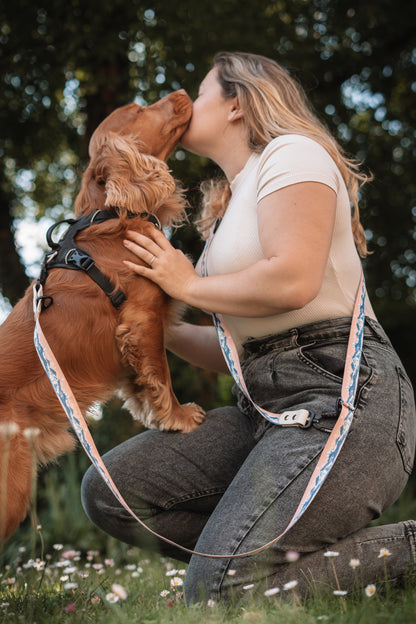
x=149, y=392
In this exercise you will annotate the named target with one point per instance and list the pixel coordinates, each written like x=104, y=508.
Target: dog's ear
x=134, y=182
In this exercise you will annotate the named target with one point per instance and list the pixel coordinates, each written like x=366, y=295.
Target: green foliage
x=65, y=65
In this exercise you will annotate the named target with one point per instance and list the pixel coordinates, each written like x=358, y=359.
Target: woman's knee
x=92, y=495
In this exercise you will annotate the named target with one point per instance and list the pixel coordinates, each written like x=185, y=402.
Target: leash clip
x=302, y=418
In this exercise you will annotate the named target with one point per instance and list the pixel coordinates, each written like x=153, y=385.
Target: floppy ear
x=134, y=182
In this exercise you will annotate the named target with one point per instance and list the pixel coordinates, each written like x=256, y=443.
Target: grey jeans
x=234, y=483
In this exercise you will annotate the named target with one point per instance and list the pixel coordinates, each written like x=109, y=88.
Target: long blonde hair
x=274, y=104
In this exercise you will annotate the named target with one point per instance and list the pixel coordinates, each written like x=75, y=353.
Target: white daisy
x=119, y=591
x=112, y=597
x=290, y=585
x=370, y=590
x=384, y=552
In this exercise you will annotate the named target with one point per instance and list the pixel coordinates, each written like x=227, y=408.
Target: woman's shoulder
x=294, y=143
x=293, y=158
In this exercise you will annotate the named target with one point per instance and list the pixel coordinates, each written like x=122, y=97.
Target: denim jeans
x=234, y=483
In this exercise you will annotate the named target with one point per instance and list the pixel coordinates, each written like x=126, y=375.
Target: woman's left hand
x=166, y=266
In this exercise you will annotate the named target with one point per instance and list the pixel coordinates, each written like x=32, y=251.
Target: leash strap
x=328, y=456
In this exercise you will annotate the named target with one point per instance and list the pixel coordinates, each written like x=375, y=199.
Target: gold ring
x=152, y=260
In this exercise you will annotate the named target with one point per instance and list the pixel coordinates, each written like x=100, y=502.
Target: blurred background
x=65, y=66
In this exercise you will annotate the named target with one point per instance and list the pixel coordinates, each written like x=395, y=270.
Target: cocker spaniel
x=100, y=348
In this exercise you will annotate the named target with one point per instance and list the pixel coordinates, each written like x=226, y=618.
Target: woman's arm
x=295, y=230
x=197, y=344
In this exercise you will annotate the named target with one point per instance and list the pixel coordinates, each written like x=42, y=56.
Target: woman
x=283, y=271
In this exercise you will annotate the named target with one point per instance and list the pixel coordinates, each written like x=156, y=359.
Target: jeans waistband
x=320, y=331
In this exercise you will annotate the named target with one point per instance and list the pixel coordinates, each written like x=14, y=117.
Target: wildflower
x=331, y=554
x=119, y=591
x=290, y=585
x=272, y=591
x=249, y=586
x=98, y=566
x=8, y=430
x=112, y=597
x=292, y=556
x=70, y=608
x=211, y=603
x=384, y=552
x=95, y=599
x=176, y=582
x=339, y=592
x=164, y=593
x=370, y=590
x=171, y=572
x=70, y=570
x=231, y=572
x=57, y=546
x=129, y=566
x=69, y=586
x=354, y=563
x=70, y=554
x=182, y=572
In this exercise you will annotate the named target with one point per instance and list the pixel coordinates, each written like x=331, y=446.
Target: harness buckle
x=80, y=259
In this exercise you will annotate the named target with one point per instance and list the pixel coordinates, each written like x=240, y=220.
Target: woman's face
x=210, y=117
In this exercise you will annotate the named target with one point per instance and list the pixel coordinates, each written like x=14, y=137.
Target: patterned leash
x=297, y=418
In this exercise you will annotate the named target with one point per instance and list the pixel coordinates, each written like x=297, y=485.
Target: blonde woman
x=283, y=270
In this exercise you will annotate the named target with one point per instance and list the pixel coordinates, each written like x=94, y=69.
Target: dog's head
x=158, y=127
x=128, y=152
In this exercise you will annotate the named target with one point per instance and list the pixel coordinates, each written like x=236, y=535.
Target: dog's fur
x=99, y=348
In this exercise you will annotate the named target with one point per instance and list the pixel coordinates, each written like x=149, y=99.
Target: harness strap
x=66, y=254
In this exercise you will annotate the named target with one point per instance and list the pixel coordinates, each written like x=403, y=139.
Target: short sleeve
x=294, y=158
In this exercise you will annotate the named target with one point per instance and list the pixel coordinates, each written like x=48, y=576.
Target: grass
x=66, y=586
x=64, y=570
x=125, y=585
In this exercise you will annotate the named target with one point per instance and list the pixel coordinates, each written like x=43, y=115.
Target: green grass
x=35, y=572
x=63, y=585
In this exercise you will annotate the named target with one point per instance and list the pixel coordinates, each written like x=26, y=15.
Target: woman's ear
x=235, y=112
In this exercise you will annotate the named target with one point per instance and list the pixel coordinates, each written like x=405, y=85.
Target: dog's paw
x=188, y=417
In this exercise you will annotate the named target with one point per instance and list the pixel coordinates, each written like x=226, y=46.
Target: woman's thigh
x=171, y=480
x=368, y=476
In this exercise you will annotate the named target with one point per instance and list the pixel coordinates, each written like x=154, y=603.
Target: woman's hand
x=166, y=266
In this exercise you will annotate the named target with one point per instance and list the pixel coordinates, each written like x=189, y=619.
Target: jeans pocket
x=328, y=360
x=406, y=430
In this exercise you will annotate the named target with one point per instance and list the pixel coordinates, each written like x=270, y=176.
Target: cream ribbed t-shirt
x=286, y=160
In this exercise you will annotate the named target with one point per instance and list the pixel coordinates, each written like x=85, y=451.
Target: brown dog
x=100, y=348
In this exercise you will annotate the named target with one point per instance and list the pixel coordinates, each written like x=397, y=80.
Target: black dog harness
x=65, y=253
